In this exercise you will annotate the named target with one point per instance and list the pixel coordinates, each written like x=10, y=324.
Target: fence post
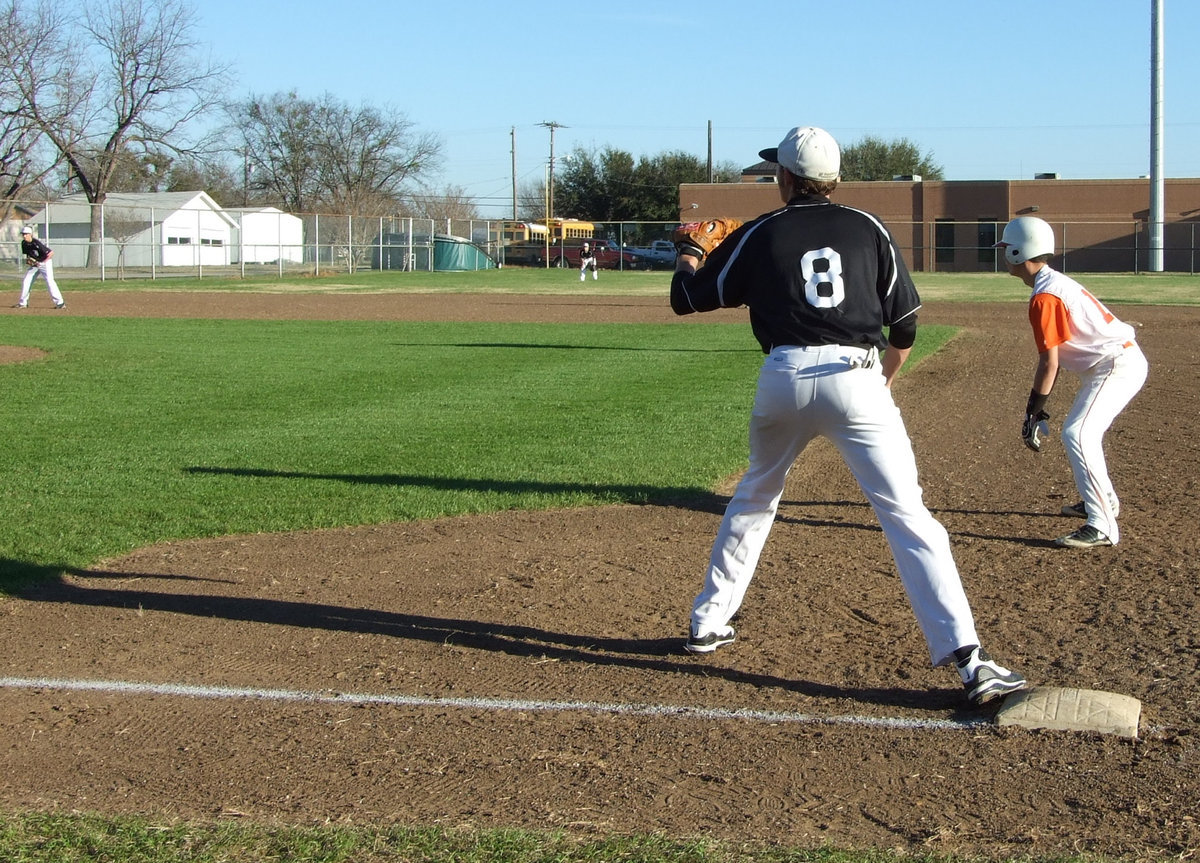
x=199, y=247
x=102, y=241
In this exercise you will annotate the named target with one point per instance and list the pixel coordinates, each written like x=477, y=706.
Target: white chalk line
x=122, y=687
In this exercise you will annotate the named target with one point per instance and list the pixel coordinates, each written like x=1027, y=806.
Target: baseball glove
x=700, y=238
x=31, y=262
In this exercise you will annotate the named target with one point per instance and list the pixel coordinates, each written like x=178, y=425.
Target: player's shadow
x=690, y=497
x=568, y=347
x=652, y=654
x=790, y=513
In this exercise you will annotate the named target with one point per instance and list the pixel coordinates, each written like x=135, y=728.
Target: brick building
x=1100, y=225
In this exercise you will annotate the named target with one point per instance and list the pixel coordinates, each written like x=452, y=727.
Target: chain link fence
x=122, y=239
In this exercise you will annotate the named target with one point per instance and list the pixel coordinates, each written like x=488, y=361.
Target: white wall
x=268, y=236
x=195, y=237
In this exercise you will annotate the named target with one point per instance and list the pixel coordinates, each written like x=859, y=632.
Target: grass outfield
x=1129, y=288
x=136, y=431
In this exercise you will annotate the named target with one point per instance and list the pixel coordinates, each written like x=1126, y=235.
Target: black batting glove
x=1033, y=428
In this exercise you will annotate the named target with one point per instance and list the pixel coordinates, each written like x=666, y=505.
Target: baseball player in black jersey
x=821, y=282
x=37, y=258
x=587, y=258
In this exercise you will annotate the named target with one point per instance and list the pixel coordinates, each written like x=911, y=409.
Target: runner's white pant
x=1104, y=391
x=46, y=268
x=838, y=393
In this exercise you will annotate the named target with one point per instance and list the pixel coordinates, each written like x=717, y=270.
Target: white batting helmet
x=1026, y=237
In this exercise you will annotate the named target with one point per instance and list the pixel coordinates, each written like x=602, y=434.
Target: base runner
x=1073, y=330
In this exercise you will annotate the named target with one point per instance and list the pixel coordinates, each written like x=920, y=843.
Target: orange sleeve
x=1051, y=321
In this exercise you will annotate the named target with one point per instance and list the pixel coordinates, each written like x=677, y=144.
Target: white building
x=10, y=235
x=266, y=235
x=140, y=229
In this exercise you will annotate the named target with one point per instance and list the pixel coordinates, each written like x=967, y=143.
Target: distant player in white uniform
x=587, y=258
x=37, y=258
x=821, y=282
x=1073, y=330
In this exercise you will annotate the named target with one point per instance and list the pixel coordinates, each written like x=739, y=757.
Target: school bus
x=558, y=229
x=571, y=229
x=521, y=232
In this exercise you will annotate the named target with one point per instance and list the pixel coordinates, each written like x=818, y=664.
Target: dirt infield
x=525, y=669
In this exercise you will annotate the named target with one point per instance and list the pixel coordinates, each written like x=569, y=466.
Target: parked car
x=659, y=254
x=608, y=255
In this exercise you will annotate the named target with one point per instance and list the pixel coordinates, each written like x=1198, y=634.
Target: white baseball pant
x=46, y=268
x=837, y=392
x=1105, y=389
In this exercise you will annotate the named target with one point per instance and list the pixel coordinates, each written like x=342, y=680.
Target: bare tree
x=366, y=155
x=25, y=158
x=122, y=224
x=323, y=156
x=279, y=140
x=21, y=167
x=531, y=200
x=126, y=78
x=449, y=204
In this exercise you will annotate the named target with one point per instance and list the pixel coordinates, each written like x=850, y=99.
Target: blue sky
x=992, y=90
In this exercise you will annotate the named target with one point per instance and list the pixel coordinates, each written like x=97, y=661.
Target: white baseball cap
x=807, y=152
x=27, y=230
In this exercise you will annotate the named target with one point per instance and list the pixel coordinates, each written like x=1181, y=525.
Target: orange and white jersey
x=1065, y=315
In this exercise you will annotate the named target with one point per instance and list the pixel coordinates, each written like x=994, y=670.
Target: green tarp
x=458, y=253
x=402, y=252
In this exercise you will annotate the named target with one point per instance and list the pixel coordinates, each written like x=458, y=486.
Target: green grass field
x=131, y=432
x=136, y=431
x=86, y=839
x=1151, y=288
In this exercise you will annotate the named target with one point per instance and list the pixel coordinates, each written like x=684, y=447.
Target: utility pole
x=513, y=133
x=710, y=156
x=551, y=125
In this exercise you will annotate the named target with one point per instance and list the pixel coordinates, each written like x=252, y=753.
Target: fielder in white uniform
x=821, y=282
x=37, y=256
x=1073, y=330
x=587, y=258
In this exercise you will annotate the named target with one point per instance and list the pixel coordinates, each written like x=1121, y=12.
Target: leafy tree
x=610, y=186
x=872, y=158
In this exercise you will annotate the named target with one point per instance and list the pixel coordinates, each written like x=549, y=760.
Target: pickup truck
x=660, y=253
